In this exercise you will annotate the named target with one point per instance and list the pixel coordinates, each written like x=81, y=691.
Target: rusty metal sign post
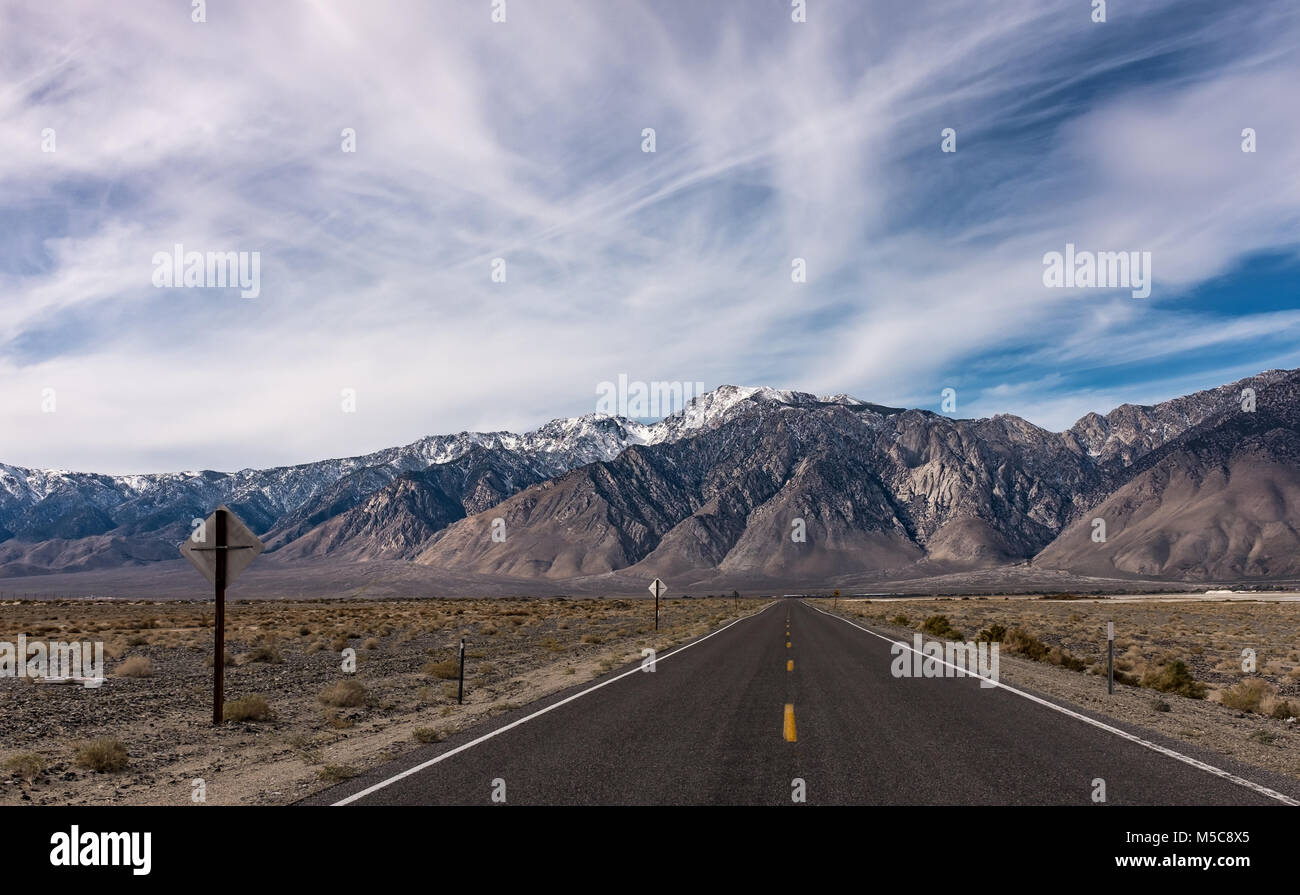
x=231, y=549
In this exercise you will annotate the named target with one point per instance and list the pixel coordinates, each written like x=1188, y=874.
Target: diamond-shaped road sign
x=657, y=588
x=241, y=547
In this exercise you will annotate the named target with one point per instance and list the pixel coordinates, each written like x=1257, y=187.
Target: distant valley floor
x=271, y=578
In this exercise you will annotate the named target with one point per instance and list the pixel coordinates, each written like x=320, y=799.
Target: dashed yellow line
x=788, y=726
x=789, y=665
x=787, y=644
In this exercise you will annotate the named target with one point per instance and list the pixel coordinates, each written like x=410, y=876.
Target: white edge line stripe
x=1186, y=759
x=489, y=735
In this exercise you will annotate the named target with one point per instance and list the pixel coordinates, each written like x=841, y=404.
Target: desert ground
x=1055, y=645
x=297, y=721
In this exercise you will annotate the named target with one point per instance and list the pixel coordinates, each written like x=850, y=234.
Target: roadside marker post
x=460, y=693
x=217, y=563
x=1110, y=657
x=657, y=587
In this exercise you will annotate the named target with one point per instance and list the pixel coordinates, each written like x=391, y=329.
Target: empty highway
x=793, y=705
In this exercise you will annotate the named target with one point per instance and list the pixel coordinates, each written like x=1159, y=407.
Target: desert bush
x=992, y=634
x=27, y=765
x=447, y=669
x=247, y=708
x=1248, y=695
x=1173, y=677
x=1062, y=657
x=427, y=735
x=1018, y=641
x=1283, y=710
x=939, y=626
x=343, y=694
x=136, y=666
x=103, y=755
x=267, y=652
x=334, y=773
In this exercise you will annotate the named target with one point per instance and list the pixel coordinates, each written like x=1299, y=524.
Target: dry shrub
x=1020, y=642
x=447, y=669
x=427, y=735
x=344, y=694
x=267, y=651
x=247, y=708
x=1248, y=695
x=136, y=666
x=103, y=755
x=334, y=773
x=1173, y=677
x=27, y=765
x=1258, y=696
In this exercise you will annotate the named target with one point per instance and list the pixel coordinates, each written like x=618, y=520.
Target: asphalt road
x=744, y=714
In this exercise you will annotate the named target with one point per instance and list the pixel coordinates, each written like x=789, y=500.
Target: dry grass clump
x=26, y=765
x=1259, y=697
x=1173, y=677
x=1248, y=695
x=1020, y=642
x=344, y=694
x=136, y=666
x=247, y=708
x=267, y=651
x=447, y=669
x=336, y=773
x=427, y=735
x=103, y=755
x=939, y=626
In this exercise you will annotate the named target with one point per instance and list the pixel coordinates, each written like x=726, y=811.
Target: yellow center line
x=787, y=644
x=788, y=727
x=789, y=664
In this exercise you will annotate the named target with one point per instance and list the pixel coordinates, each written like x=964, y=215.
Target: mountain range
x=745, y=483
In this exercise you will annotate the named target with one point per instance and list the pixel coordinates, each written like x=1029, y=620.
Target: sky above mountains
x=522, y=141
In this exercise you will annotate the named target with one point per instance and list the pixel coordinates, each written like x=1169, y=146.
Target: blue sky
x=775, y=140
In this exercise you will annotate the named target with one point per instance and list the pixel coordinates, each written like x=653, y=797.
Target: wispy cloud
x=522, y=141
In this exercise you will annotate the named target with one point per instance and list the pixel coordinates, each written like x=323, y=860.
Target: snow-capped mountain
x=86, y=520
x=716, y=486
x=789, y=488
